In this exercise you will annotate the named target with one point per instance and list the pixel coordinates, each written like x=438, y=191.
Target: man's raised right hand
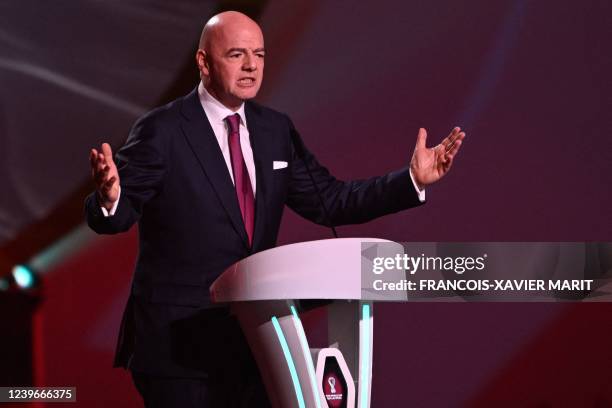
x=104, y=174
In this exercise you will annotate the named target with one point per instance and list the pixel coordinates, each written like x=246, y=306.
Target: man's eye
x=260, y=55
x=234, y=55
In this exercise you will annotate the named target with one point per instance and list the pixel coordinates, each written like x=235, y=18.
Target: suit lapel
x=201, y=138
x=258, y=133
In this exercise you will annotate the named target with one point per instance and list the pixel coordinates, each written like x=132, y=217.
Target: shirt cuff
x=421, y=193
x=110, y=213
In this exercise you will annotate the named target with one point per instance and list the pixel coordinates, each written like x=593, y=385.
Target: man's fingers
x=100, y=166
x=448, y=140
x=421, y=139
x=453, y=151
x=92, y=158
x=440, y=153
x=95, y=157
x=103, y=171
x=454, y=140
x=104, y=189
x=107, y=152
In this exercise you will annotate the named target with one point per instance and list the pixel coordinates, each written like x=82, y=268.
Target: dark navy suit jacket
x=176, y=185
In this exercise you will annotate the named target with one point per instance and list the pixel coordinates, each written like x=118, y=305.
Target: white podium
x=262, y=291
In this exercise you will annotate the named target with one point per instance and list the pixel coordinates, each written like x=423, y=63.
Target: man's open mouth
x=246, y=81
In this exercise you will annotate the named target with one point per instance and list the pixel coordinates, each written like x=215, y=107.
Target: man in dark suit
x=207, y=178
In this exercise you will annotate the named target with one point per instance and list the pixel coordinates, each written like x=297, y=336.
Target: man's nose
x=249, y=63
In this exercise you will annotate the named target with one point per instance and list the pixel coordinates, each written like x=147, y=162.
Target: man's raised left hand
x=429, y=165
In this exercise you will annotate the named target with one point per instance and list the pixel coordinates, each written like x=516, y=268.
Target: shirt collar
x=215, y=110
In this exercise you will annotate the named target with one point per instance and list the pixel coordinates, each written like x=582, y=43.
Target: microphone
x=300, y=151
x=305, y=305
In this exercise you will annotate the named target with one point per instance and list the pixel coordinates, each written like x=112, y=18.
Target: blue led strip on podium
x=364, y=354
x=290, y=363
x=306, y=351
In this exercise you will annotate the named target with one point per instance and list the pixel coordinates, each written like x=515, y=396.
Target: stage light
x=24, y=276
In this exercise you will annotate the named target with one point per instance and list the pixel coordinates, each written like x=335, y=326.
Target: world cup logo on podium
x=332, y=383
x=333, y=391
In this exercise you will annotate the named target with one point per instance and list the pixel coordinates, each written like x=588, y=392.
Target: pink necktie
x=244, y=190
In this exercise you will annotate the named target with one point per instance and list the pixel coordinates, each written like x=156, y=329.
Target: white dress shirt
x=216, y=113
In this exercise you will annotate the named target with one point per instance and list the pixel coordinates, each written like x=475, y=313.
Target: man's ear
x=203, y=63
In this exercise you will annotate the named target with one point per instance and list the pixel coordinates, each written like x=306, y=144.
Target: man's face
x=232, y=68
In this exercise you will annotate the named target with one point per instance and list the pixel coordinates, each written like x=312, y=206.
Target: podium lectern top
x=325, y=269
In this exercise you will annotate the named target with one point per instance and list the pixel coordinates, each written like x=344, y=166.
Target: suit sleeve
x=142, y=167
x=347, y=202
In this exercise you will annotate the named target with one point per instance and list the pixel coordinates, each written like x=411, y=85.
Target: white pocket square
x=279, y=165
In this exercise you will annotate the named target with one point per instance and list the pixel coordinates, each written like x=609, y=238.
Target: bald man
x=207, y=178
